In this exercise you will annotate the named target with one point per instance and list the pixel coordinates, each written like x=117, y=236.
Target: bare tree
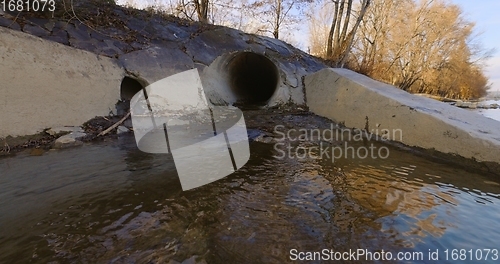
x=420, y=46
x=277, y=14
x=342, y=32
x=255, y=16
x=319, y=17
x=201, y=7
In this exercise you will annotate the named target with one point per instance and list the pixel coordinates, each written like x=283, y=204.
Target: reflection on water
x=109, y=202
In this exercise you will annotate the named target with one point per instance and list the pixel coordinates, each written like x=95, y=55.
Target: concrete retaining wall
x=45, y=84
x=360, y=102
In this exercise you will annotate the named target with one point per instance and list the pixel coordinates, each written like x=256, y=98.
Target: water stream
x=107, y=202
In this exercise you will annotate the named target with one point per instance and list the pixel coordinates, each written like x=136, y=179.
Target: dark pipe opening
x=253, y=78
x=129, y=88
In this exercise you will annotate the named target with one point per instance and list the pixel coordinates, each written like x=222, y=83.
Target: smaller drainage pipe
x=129, y=87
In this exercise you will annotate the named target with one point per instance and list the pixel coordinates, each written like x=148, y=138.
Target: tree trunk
x=276, y=30
x=329, y=45
x=339, y=40
x=201, y=7
x=350, y=38
x=347, y=18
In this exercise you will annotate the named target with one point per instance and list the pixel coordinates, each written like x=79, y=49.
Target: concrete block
x=363, y=103
x=46, y=84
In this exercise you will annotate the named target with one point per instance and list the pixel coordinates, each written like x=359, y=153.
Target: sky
x=485, y=13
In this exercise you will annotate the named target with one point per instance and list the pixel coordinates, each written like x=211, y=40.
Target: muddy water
x=107, y=202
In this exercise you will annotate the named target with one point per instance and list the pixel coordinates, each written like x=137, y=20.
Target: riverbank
x=490, y=104
x=46, y=140
x=90, y=131
x=483, y=103
x=261, y=127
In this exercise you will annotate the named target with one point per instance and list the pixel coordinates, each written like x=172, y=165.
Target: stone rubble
x=69, y=140
x=121, y=130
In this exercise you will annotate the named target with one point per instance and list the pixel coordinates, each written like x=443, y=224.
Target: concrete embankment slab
x=363, y=103
x=46, y=84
